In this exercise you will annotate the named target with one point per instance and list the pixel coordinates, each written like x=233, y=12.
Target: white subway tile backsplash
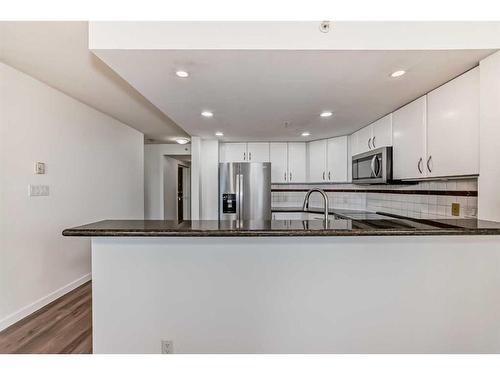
x=414, y=205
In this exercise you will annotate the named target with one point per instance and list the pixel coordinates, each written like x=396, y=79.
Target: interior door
x=337, y=159
x=180, y=192
x=278, y=157
x=317, y=161
x=409, y=139
x=297, y=165
x=258, y=152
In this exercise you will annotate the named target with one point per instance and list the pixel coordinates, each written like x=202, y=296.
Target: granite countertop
x=387, y=226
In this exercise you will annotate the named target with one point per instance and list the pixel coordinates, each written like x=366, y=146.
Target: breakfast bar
x=295, y=286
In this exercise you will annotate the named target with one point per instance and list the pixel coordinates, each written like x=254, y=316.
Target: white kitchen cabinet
x=337, y=159
x=297, y=166
x=258, y=152
x=381, y=135
x=317, y=161
x=233, y=152
x=279, y=162
x=377, y=134
x=453, y=127
x=409, y=140
x=363, y=140
x=288, y=162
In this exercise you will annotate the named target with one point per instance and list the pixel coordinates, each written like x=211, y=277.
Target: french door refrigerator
x=245, y=191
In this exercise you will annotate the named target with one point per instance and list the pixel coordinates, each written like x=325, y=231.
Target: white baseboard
x=38, y=304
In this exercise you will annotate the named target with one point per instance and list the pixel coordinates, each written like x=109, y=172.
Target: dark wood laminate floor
x=63, y=326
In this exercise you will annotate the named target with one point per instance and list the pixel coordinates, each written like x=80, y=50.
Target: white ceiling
x=253, y=92
x=57, y=53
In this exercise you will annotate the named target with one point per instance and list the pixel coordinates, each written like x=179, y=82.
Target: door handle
x=285, y=176
x=329, y=173
x=290, y=176
x=428, y=162
x=419, y=165
x=249, y=156
x=323, y=175
x=370, y=147
x=244, y=156
x=373, y=142
x=372, y=165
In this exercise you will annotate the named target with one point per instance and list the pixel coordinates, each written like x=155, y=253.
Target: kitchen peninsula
x=356, y=286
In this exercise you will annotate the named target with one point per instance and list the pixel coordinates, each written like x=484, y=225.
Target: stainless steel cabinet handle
x=329, y=174
x=290, y=176
x=244, y=156
x=249, y=156
x=285, y=176
x=419, y=165
x=373, y=142
x=323, y=175
x=428, y=161
x=370, y=147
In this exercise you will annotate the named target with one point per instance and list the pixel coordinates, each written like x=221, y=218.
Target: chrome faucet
x=305, y=206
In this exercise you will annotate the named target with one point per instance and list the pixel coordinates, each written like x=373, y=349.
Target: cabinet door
x=409, y=128
x=258, y=152
x=233, y=152
x=382, y=132
x=278, y=156
x=453, y=127
x=297, y=162
x=317, y=161
x=364, y=137
x=337, y=159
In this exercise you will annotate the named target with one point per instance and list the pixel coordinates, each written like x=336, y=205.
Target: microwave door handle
x=372, y=166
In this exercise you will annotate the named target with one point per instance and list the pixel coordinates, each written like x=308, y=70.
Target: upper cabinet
x=297, y=162
x=288, y=162
x=327, y=160
x=244, y=152
x=382, y=132
x=232, y=152
x=408, y=140
x=336, y=160
x=453, y=127
x=317, y=161
x=377, y=134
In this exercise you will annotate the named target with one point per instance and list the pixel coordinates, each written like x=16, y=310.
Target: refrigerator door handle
x=240, y=197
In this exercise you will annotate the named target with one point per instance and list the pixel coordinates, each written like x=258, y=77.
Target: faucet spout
x=305, y=206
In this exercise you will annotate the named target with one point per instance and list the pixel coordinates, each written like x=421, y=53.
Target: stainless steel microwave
x=373, y=167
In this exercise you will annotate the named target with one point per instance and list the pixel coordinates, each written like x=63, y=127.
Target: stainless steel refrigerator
x=245, y=191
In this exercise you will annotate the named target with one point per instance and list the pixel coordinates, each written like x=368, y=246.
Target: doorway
x=177, y=187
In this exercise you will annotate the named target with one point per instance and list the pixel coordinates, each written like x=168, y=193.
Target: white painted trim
x=38, y=304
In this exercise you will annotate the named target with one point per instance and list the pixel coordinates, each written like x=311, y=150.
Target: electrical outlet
x=455, y=209
x=38, y=190
x=167, y=346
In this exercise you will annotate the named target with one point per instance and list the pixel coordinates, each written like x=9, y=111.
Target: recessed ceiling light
x=398, y=73
x=207, y=114
x=182, y=141
x=326, y=114
x=305, y=134
x=219, y=134
x=182, y=74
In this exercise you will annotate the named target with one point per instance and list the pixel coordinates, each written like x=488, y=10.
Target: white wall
x=154, y=164
x=426, y=294
x=489, y=139
x=94, y=172
x=209, y=179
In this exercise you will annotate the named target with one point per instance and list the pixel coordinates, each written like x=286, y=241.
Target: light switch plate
x=455, y=209
x=39, y=167
x=38, y=190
